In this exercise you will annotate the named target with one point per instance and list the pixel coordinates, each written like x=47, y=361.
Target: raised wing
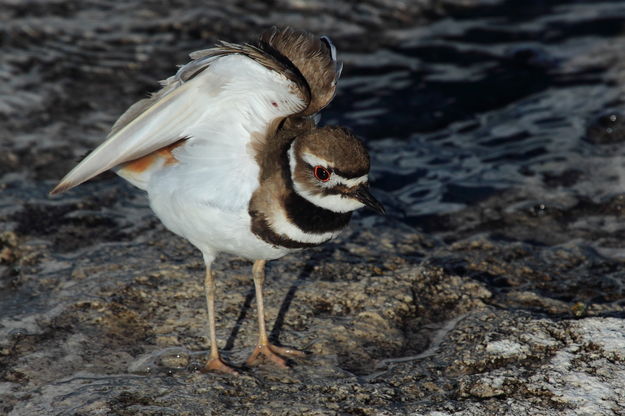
x=224, y=92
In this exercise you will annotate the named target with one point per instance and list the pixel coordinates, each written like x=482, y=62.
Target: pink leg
x=264, y=349
x=214, y=362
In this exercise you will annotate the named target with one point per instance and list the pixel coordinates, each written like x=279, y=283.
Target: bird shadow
x=237, y=325
x=288, y=299
x=284, y=307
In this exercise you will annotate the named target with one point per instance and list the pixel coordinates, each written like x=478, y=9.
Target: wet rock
x=607, y=128
x=483, y=388
x=392, y=340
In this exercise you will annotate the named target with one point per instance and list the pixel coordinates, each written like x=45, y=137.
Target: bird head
x=330, y=168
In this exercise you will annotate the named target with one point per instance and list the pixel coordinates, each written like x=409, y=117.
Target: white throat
x=334, y=202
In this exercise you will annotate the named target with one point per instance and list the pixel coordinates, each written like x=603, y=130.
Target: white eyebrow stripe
x=314, y=161
x=351, y=182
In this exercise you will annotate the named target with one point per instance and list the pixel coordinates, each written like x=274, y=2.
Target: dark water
x=517, y=97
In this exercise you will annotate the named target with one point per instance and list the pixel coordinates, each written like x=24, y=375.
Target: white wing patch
x=218, y=109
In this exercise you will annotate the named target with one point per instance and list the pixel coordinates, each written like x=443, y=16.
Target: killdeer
x=232, y=160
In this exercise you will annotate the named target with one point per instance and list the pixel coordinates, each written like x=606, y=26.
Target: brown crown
x=343, y=151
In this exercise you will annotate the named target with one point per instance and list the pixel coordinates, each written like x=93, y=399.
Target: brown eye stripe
x=338, y=190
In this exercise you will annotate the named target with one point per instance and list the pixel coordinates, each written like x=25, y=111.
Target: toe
x=287, y=351
x=264, y=352
x=218, y=366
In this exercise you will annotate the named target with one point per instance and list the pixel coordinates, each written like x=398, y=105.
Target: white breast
x=210, y=228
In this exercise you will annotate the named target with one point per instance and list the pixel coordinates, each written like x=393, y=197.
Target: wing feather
x=199, y=102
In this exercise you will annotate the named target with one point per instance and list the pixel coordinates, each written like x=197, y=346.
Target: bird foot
x=270, y=352
x=287, y=351
x=217, y=365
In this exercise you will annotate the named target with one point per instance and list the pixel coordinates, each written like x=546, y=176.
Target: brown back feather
x=311, y=57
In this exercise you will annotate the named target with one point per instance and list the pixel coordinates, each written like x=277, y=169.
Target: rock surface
x=510, y=305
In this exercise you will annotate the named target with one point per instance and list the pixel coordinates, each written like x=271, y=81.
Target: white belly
x=210, y=228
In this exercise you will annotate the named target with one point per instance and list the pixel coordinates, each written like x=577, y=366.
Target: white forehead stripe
x=314, y=160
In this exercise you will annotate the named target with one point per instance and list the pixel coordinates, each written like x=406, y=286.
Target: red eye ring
x=322, y=173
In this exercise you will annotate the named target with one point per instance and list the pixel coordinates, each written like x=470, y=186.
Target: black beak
x=364, y=195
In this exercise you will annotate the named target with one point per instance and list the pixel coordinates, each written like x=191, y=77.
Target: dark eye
x=322, y=173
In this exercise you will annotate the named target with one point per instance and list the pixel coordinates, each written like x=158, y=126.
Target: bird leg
x=214, y=362
x=264, y=348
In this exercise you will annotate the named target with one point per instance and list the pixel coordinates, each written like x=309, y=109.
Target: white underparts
x=333, y=202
